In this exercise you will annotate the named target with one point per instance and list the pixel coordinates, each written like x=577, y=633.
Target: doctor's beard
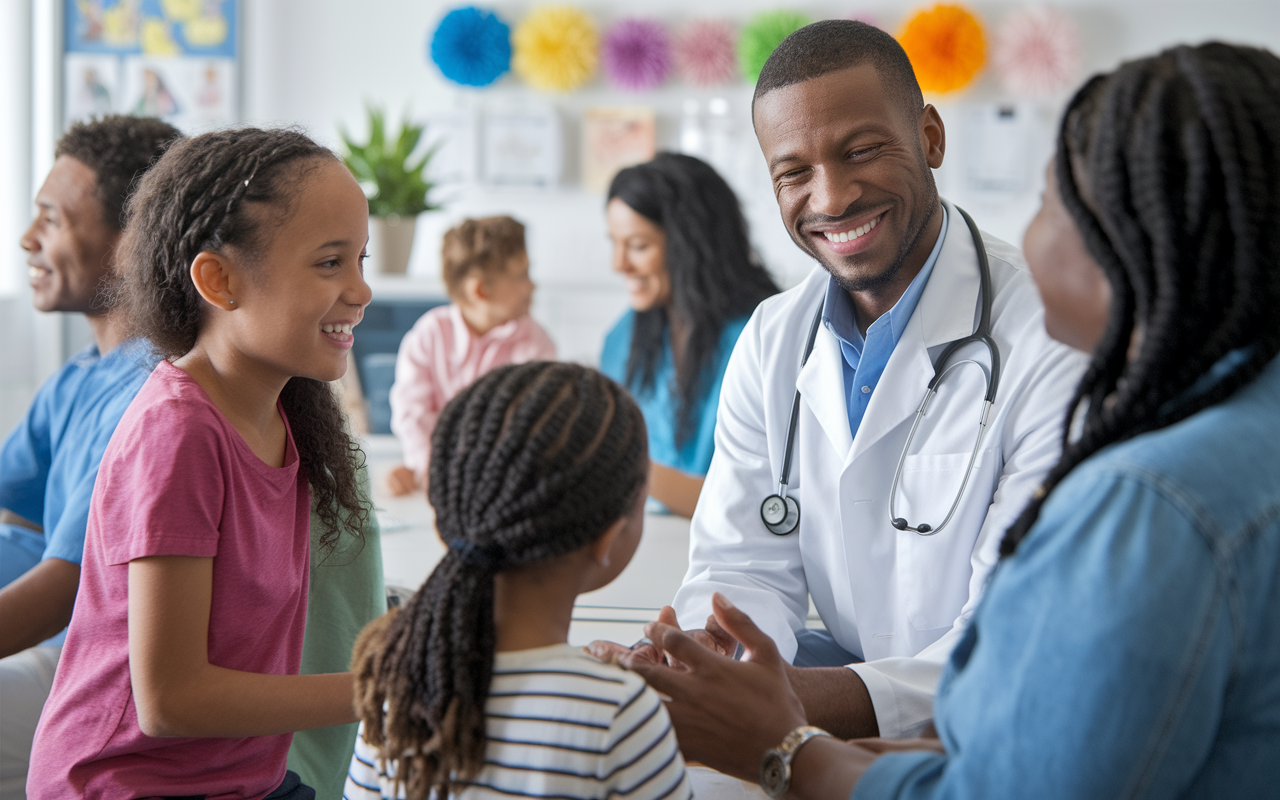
x=915, y=231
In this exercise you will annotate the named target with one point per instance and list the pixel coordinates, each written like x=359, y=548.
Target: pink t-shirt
x=177, y=480
x=440, y=357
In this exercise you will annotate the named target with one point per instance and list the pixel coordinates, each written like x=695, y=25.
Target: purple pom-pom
x=636, y=54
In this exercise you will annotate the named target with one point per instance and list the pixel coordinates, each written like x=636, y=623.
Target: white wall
x=316, y=62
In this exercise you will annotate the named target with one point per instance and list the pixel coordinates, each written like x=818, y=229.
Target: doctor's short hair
x=118, y=149
x=835, y=44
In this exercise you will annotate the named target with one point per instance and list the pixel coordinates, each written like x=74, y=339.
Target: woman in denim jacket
x=1129, y=642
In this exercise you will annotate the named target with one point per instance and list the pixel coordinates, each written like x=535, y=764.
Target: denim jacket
x=1131, y=647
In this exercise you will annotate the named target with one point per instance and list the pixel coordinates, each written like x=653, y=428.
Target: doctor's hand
x=726, y=713
x=713, y=637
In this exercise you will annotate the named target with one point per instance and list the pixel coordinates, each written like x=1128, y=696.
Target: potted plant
x=396, y=186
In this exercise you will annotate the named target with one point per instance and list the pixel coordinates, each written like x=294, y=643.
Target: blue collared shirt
x=866, y=358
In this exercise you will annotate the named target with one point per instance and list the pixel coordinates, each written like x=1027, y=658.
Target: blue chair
x=385, y=323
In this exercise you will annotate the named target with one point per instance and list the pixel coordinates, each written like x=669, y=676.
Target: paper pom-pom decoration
x=946, y=47
x=761, y=37
x=555, y=48
x=1037, y=52
x=704, y=52
x=636, y=54
x=472, y=46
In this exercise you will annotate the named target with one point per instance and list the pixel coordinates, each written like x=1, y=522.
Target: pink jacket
x=440, y=357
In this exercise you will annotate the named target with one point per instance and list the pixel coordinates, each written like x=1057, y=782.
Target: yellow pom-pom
x=555, y=49
x=946, y=46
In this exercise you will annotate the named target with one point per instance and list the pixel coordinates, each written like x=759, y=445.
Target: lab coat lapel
x=821, y=384
x=947, y=311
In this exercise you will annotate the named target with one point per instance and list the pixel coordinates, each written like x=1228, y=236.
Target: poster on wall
x=522, y=147
x=173, y=59
x=615, y=138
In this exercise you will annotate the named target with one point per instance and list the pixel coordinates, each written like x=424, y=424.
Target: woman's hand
x=713, y=637
x=726, y=713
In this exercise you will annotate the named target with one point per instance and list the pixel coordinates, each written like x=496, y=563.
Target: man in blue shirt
x=49, y=463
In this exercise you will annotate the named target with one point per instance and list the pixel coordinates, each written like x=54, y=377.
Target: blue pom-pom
x=472, y=46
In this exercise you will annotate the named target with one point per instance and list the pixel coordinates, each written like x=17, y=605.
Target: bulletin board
x=173, y=59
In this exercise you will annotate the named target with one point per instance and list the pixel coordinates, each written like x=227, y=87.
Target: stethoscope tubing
x=790, y=521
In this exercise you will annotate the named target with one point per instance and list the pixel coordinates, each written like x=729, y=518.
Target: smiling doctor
x=892, y=542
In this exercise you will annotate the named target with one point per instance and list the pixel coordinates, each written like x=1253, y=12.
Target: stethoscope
x=781, y=512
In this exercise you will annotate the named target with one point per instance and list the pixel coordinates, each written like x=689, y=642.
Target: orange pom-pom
x=946, y=46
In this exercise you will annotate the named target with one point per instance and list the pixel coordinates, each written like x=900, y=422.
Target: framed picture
x=175, y=60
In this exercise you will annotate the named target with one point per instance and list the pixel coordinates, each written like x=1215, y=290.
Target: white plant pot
x=390, y=242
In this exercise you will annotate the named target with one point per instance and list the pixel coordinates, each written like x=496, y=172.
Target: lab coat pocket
x=936, y=568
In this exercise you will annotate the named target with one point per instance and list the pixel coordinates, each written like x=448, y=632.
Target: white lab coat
x=897, y=599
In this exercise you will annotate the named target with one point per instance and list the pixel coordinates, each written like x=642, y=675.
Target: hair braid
x=1169, y=167
x=219, y=191
x=531, y=462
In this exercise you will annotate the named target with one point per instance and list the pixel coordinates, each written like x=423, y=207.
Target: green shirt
x=346, y=594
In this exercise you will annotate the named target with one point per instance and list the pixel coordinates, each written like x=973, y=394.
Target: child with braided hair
x=242, y=263
x=538, y=480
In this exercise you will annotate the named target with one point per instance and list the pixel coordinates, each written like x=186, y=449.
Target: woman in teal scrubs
x=680, y=240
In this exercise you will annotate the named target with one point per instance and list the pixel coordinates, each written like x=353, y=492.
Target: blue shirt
x=49, y=463
x=1131, y=647
x=660, y=403
x=865, y=359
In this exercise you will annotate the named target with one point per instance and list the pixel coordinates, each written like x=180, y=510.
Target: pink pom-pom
x=636, y=54
x=705, y=52
x=1037, y=52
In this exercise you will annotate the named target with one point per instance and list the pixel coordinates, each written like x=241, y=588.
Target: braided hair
x=195, y=199
x=531, y=462
x=1170, y=167
x=716, y=277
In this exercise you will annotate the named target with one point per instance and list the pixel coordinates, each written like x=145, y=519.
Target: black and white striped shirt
x=560, y=725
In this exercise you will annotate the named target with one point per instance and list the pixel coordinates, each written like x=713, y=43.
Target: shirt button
x=866, y=390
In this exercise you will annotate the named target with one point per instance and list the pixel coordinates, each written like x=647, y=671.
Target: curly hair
x=1180, y=154
x=197, y=198
x=483, y=245
x=716, y=277
x=118, y=149
x=531, y=462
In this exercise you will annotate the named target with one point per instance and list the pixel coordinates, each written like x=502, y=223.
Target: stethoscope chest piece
x=781, y=515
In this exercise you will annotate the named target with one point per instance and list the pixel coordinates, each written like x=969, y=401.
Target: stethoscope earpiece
x=781, y=515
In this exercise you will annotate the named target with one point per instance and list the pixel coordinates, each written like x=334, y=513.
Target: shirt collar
x=838, y=314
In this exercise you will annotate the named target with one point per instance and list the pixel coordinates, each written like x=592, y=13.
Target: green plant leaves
x=393, y=185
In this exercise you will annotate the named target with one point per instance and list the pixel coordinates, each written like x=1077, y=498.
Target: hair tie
x=482, y=557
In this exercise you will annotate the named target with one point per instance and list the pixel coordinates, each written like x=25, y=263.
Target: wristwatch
x=775, y=766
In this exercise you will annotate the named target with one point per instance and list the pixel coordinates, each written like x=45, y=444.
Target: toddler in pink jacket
x=486, y=272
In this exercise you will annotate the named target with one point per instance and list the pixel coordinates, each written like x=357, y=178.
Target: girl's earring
x=232, y=302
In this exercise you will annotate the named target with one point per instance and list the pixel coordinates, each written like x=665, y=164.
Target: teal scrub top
x=661, y=402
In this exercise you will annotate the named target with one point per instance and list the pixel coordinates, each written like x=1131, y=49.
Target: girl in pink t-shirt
x=242, y=263
x=486, y=271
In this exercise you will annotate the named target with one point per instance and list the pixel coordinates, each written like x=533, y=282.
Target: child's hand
x=401, y=481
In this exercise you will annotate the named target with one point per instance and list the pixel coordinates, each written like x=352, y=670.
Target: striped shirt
x=560, y=725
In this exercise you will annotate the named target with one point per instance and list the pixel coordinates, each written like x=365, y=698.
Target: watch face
x=773, y=774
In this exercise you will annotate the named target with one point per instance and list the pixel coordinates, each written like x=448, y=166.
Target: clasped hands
x=728, y=713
